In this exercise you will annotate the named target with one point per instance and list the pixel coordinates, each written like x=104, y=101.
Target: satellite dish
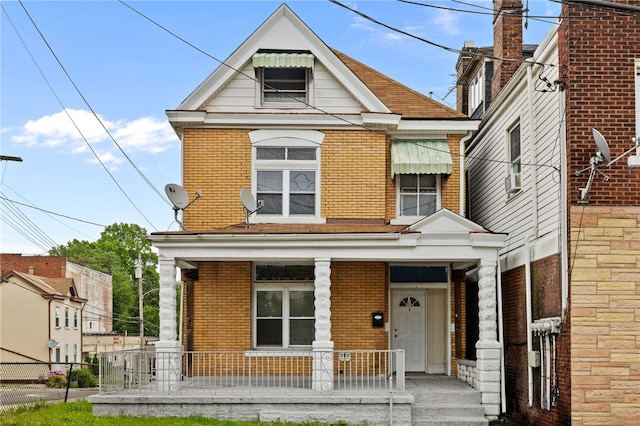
x=177, y=195
x=51, y=343
x=248, y=200
x=249, y=203
x=603, y=146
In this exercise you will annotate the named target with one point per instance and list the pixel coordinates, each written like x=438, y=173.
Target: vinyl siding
x=328, y=95
x=488, y=162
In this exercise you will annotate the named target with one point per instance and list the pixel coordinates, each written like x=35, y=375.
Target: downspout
x=503, y=387
x=463, y=168
x=534, y=224
x=564, y=226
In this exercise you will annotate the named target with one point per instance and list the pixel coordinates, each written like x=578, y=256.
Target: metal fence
x=25, y=383
x=249, y=371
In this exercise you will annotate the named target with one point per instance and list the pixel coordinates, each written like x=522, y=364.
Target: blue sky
x=83, y=59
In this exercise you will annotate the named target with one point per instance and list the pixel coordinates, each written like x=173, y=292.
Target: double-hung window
x=286, y=181
x=66, y=318
x=283, y=306
x=75, y=319
x=514, y=149
x=418, y=194
x=57, y=317
x=284, y=79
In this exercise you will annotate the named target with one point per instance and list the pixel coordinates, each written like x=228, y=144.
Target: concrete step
x=470, y=396
x=427, y=411
x=452, y=421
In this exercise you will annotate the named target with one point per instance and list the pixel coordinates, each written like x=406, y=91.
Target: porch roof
x=443, y=237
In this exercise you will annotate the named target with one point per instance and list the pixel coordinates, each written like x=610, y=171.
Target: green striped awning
x=420, y=157
x=283, y=60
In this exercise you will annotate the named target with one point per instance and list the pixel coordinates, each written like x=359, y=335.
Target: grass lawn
x=78, y=413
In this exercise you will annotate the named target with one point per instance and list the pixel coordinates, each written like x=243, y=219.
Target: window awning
x=283, y=60
x=420, y=157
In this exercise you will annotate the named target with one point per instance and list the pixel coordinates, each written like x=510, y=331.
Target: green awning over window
x=420, y=157
x=283, y=60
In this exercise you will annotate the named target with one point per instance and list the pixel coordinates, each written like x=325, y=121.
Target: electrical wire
x=223, y=63
x=92, y=111
x=441, y=46
x=2, y=197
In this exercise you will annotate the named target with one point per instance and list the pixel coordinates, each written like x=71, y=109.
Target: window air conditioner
x=512, y=183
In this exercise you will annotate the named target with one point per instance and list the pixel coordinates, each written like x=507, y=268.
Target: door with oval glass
x=419, y=327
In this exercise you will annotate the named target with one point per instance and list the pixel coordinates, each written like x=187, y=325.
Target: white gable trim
x=243, y=54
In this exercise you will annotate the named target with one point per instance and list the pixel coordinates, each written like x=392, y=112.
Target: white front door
x=408, y=326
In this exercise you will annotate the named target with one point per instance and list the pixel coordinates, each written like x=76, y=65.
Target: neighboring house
x=40, y=320
x=96, y=287
x=360, y=242
x=570, y=270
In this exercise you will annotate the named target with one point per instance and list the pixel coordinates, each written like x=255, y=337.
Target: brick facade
x=545, y=303
x=355, y=176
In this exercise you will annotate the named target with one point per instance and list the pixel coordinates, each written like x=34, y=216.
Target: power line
x=238, y=72
x=90, y=108
x=53, y=213
x=441, y=46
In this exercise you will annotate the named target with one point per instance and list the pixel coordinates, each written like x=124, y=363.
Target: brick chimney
x=507, y=42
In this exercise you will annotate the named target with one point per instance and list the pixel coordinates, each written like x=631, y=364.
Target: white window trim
x=267, y=138
x=293, y=104
x=57, y=318
x=408, y=220
x=510, y=160
x=285, y=287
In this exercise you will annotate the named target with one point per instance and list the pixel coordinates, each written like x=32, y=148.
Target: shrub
x=56, y=379
x=84, y=378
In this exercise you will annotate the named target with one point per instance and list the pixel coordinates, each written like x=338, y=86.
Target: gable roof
x=57, y=288
x=376, y=92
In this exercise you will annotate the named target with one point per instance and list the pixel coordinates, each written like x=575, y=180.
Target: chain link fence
x=33, y=383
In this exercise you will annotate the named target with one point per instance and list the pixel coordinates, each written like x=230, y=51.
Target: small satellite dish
x=177, y=195
x=603, y=146
x=51, y=343
x=248, y=200
x=249, y=203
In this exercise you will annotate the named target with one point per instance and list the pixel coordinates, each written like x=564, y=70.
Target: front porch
x=367, y=387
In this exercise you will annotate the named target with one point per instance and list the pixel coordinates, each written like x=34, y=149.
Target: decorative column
x=168, y=357
x=488, y=347
x=322, y=344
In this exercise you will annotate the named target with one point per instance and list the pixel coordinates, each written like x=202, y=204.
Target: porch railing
x=239, y=372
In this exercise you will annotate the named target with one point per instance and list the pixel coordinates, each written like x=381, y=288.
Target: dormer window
x=284, y=79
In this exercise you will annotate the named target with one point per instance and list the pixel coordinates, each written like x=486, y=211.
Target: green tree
x=116, y=252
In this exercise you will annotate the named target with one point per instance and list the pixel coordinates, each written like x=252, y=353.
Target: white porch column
x=322, y=344
x=488, y=347
x=168, y=348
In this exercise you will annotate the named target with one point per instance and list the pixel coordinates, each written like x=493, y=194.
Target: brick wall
x=597, y=48
x=355, y=182
x=43, y=266
x=605, y=315
x=507, y=42
x=545, y=302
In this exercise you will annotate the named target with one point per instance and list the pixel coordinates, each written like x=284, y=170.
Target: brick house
x=570, y=271
x=356, y=239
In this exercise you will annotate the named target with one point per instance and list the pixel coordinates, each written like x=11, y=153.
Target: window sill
x=286, y=220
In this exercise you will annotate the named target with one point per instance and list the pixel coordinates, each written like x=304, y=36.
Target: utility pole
x=140, y=300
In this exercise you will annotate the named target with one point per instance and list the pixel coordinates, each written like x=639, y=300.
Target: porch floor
x=427, y=400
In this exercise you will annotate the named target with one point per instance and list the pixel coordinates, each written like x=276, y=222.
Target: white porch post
x=488, y=347
x=322, y=344
x=168, y=348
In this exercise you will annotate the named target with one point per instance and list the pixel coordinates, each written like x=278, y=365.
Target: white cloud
x=446, y=21
x=73, y=130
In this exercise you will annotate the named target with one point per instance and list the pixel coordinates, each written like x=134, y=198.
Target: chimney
x=31, y=270
x=462, y=86
x=507, y=42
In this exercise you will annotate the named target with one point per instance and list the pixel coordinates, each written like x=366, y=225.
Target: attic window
x=284, y=78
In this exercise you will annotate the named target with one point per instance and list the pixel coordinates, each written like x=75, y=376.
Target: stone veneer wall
x=605, y=315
